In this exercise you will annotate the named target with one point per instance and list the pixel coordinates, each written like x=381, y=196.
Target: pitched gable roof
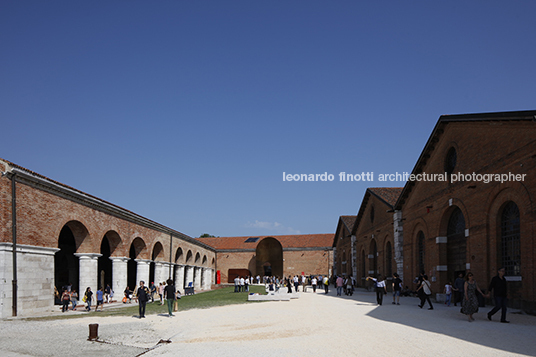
x=347, y=221
x=528, y=115
x=287, y=241
x=388, y=195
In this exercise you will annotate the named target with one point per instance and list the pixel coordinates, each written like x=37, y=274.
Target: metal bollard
x=93, y=332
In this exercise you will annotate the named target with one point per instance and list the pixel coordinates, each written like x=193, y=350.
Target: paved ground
x=313, y=324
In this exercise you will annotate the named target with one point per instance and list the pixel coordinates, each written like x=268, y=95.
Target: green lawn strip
x=205, y=300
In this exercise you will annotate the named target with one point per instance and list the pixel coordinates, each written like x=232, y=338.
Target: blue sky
x=189, y=112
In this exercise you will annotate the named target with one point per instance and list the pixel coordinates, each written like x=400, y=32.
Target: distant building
x=280, y=256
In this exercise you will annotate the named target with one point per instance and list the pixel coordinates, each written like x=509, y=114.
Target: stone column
x=197, y=278
x=119, y=276
x=159, y=271
x=88, y=263
x=179, y=278
x=208, y=278
x=354, y=258
x=142, y=272
x=399, y=243
x=189, y=275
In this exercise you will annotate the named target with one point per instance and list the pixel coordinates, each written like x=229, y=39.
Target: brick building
x=470, y=206
x=272, y=255
x=63, y=236
x=370, y=244
x=465, y=224
x=344, y=258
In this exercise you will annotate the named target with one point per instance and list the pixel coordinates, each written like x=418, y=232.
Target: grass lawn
x=205, y=300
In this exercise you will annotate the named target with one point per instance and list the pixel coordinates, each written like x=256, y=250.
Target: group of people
x=167, y=293
x=242, y=283
x=69, y=296
x=274, y=283
x=464, y=291
x=467, y=292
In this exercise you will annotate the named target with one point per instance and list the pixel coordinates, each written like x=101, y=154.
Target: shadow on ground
x=516, y=337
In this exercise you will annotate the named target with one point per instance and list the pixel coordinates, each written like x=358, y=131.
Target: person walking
x=100, y=299
x=448, y=293
x=459, y=284
x=339, y=282
x=65, y=300
x=426, y=292
x=470, y=301
x=380, y=288
x=143, y=296
x=107, y=292
x=288, y=281
x=169, y=291
x=349, y=286
x=74, y=299
x=397, y=288
x=326, y=284
x=500, y=293
x=313, y=283
x=88, y=296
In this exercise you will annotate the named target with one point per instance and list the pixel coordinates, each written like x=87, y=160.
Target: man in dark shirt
x=458, y=289
x=169, y=292
x=500, y=292
x=143, y=297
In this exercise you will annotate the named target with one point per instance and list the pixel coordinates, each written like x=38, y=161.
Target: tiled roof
x=287, y=241
x=388, y=194
x=349, y=221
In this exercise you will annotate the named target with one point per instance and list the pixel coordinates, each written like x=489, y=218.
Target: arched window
x=420, y=252
x=456, y=244
x=510, y=252
x=450, y=161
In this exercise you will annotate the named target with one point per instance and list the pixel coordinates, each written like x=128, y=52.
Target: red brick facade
x=308, y=253
x=442, y=225
x=496, y=143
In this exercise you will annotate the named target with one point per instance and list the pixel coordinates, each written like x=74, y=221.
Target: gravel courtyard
x=313, y=324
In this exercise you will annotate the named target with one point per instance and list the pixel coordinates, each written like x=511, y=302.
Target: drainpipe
x=14, y=232
x=170, y=253
x=11, y=175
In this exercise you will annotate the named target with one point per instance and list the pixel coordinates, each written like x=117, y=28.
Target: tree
x=206, y=235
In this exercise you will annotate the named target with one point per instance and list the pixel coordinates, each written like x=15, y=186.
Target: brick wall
x=482, y=147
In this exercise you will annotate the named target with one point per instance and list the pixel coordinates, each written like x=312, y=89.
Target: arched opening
x=158, y=254
x=136, y=247
x=270, y=251
x=197, y=258
x=189, y=256
x=104, y=265
x=456, y=244
x=204, y=262
x=179, y=256
x=66, y=264
x=510, y=242
x=109, y=243
x=178, y=260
